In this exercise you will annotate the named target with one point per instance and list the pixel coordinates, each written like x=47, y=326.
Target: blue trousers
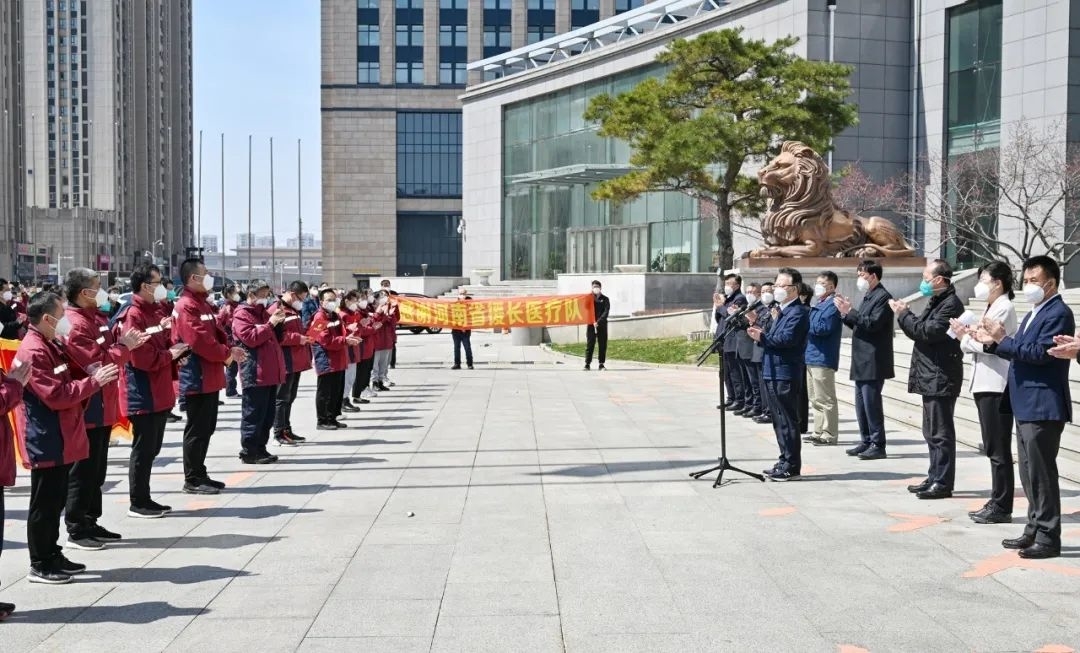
x=257, y=418
x=230, y=379
x=869, y=411
x=783, y=398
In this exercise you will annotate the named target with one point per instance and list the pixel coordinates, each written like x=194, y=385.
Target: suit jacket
x=990, y=373
x=785, y=343
x=738, y=300
x=764, y=321
x=937, y=365
x=1038, y=387
x=871, y=337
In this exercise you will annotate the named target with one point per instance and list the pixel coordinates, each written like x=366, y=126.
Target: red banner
x=548, y=310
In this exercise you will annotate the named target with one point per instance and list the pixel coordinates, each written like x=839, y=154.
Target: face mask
x=101, y=297
x=329, y=306
x=1034, y=293
x=297, y=305
x=63, y=327
x=819, y=290
x=208, y=282
x=7, y=295
x=767, y=298
x=926, y=288
x=363, y=303
x=171, y=295
x=780, y=295
x=982, y=291
x=160, y=293
x=352, y=306
x=596, y=291
x=862, y=284
x=235, y=298
x=383, y=300
x=106, y=307
x=113, y=297
x=751, y=298
x=729, y=291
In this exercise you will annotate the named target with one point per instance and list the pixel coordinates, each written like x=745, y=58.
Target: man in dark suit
x=936, y=373
x=871, y=357
x=762, y=317
x=785, y=370
x=745, y=351
x=731, y=303
x=1038, y=391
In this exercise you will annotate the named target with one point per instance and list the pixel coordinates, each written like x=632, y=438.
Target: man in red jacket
x=230, y=300
x=202, y=374
x=386, y=312
x=296, y=349
x=261, y=372
x=11, y=392
x=148, y=381
x=90, y=344
x=368, y=328
x=331, y=357
x=52, y=432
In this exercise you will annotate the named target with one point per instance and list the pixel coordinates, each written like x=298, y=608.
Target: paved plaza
x=553, y=512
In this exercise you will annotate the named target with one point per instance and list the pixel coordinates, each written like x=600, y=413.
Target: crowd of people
x=86, y=360
x=781, y=351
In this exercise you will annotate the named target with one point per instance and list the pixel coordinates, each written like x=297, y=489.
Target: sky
x=256, y=72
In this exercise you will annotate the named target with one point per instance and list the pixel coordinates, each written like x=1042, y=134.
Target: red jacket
x=290, y=335
x=52, y=431
x=265, y=363
x=349, y=319
x=148, y=375
x=367, y=332
x=329, y=349
x=225, y=318
x=196, y=326
x=91, y=342
x=386, y=336
x=11, y=395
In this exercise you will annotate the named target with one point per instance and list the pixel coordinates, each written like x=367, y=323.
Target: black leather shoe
x=763, y=419
x=735, y=408
x=808, y=438
x=857, y=449
x=1039, y=551
x=747, y=411
x=935, y=491
x=349, y=409
x=873, y=452
x=988, y=506
x=1022, y=542
x=919, y=487
x=991, y=516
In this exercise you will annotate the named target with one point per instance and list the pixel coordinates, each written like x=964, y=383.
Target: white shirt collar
x=788, y=303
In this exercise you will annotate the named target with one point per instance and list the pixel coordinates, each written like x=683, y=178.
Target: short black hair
x=766, y=283
x=41, y=304
x=752, y=285
x=166, y=281
x=1001, y=271
x=796, y=276
x=326, y=291
x=189, y=268
x=1049, y=266
x=596, y=282
x=942, y=268
x=3, y=282
x=297, y=287
x=805, y=290
x=229, y=289
x=732, y=275
x=831, y=277
x=142, y=275
x=352, y=294
x=870, y=266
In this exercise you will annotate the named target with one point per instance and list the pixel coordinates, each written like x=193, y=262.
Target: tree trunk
x=724, y=241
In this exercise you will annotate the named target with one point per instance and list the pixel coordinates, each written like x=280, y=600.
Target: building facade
x=12, y=164
x=392, y=73
x=106, y=129
x=933, y=79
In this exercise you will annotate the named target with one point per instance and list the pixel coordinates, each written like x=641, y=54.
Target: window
x=429, y=154
x=367, y=35
x=367, y=42
x=453, y=36
x=367, y=4
x=428, y=239
x=497, y=4
x=584, y=12
x=496, y=36
x=546, y=5
x=409, y=4
x=367, y=72
x=581, y=5
x=453, y=4
x=410, y=35
x=627, y=5
x=538, y=33
x=453, y=73
x=409, y=72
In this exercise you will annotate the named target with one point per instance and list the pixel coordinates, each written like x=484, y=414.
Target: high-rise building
x=106, y=119
x=209, y=243
x=392, y=71
x=12, y=166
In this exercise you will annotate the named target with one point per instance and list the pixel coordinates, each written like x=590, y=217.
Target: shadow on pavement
x=251, y=512
x=135, y=613
x=604, y=469
x=860, y=476
x=220, y=541
x=345, y=460
x=187, y=575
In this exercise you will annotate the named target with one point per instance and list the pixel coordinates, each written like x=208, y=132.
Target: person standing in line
x=386, y=316
x=823, y=359
x=785, y=370
x=262, y=371
x=230, y=300
x=462, y=338
x=732, y=302
x=52, y=432
x=311, y=306
x=11, y=322
x=1039, y=393
x=384, y=285
x=329, y=351
x=989, y=376
x=202, y=374
x=296, y=352
x=762, y=318
x=148, y=380
x=936, y=373
x=89, y=344
x=806, y=295
x=745, y=351
x=350, y=319
x=596, y=333
x=11, y=395
x=871, y=357
x=361, y=390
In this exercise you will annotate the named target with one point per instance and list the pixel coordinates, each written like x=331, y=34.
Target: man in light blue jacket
x=822, y=360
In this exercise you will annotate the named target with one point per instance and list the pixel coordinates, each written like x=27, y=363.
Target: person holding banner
x=11, y=395
x=148, y=385
x=296, y=349
x=52, y=432
x=90, y=343
x=462, y=338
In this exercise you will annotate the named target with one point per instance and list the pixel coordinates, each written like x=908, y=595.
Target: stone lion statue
x=802, y=220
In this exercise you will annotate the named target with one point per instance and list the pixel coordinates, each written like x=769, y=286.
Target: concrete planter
x=483, y=276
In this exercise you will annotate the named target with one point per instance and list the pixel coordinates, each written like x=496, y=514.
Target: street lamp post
x=33, y=198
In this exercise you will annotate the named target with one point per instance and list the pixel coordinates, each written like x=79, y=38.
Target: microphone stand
x=724, y=464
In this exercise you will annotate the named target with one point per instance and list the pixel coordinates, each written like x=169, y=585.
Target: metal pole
x=33, y=199
x=221, y=247
x=299, y=220
x=94, y=247
x=832, y=37
x=250, y=270
x=273, y=243
x=913, y=135
x=198, y=207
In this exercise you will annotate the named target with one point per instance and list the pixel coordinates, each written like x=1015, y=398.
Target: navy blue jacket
x=738, y=300
x=1039, y=383
x=823, y=345
x=785, y=343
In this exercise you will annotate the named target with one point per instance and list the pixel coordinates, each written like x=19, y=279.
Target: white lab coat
x=991, y=373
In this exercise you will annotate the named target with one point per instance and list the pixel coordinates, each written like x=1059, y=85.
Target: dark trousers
x=84, y=483
x=783, y=395
x=393, y=357
x=733, y=377
x=763, y=391
x=202, y=414
x=1037, y=447
x=1, y=520
x=283, y=401
x=363, y=376
x=752, y=394
x=464, y=339
x=803, y=407
x=230, y=378
x=256, y=418
x=869, y=412
x=328, y=394
x=48, y=491
x=596, y=335
x=148, y=434
x=997, y=442
x=939, y=430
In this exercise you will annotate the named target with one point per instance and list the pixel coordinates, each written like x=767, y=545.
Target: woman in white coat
x=988, y=381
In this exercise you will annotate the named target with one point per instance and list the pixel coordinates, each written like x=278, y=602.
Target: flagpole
x=299, y=219
x=221, y=247
x=249, y=239
x=273, y=243
x=198, y=238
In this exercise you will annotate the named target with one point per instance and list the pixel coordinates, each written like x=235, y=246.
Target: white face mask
x=101, y=297
x=383, y=300
x=7, y=295
x=751, y=298
x=208, y=282
x=767, y=298
x=297, y=305
x=352, y=306
x=596, y=291
x=982, y=291
x=862, y=284
x=63, y=327
x=780, y=294
x=819, y=290
x=1034, y=293
x=235, y=298
x=729, y=291
x=363, y=303
x=160, y=293
x=329, y=305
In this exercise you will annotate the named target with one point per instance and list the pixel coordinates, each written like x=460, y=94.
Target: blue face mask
x=106, y=307
x=926, y=288
x=171, y=296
